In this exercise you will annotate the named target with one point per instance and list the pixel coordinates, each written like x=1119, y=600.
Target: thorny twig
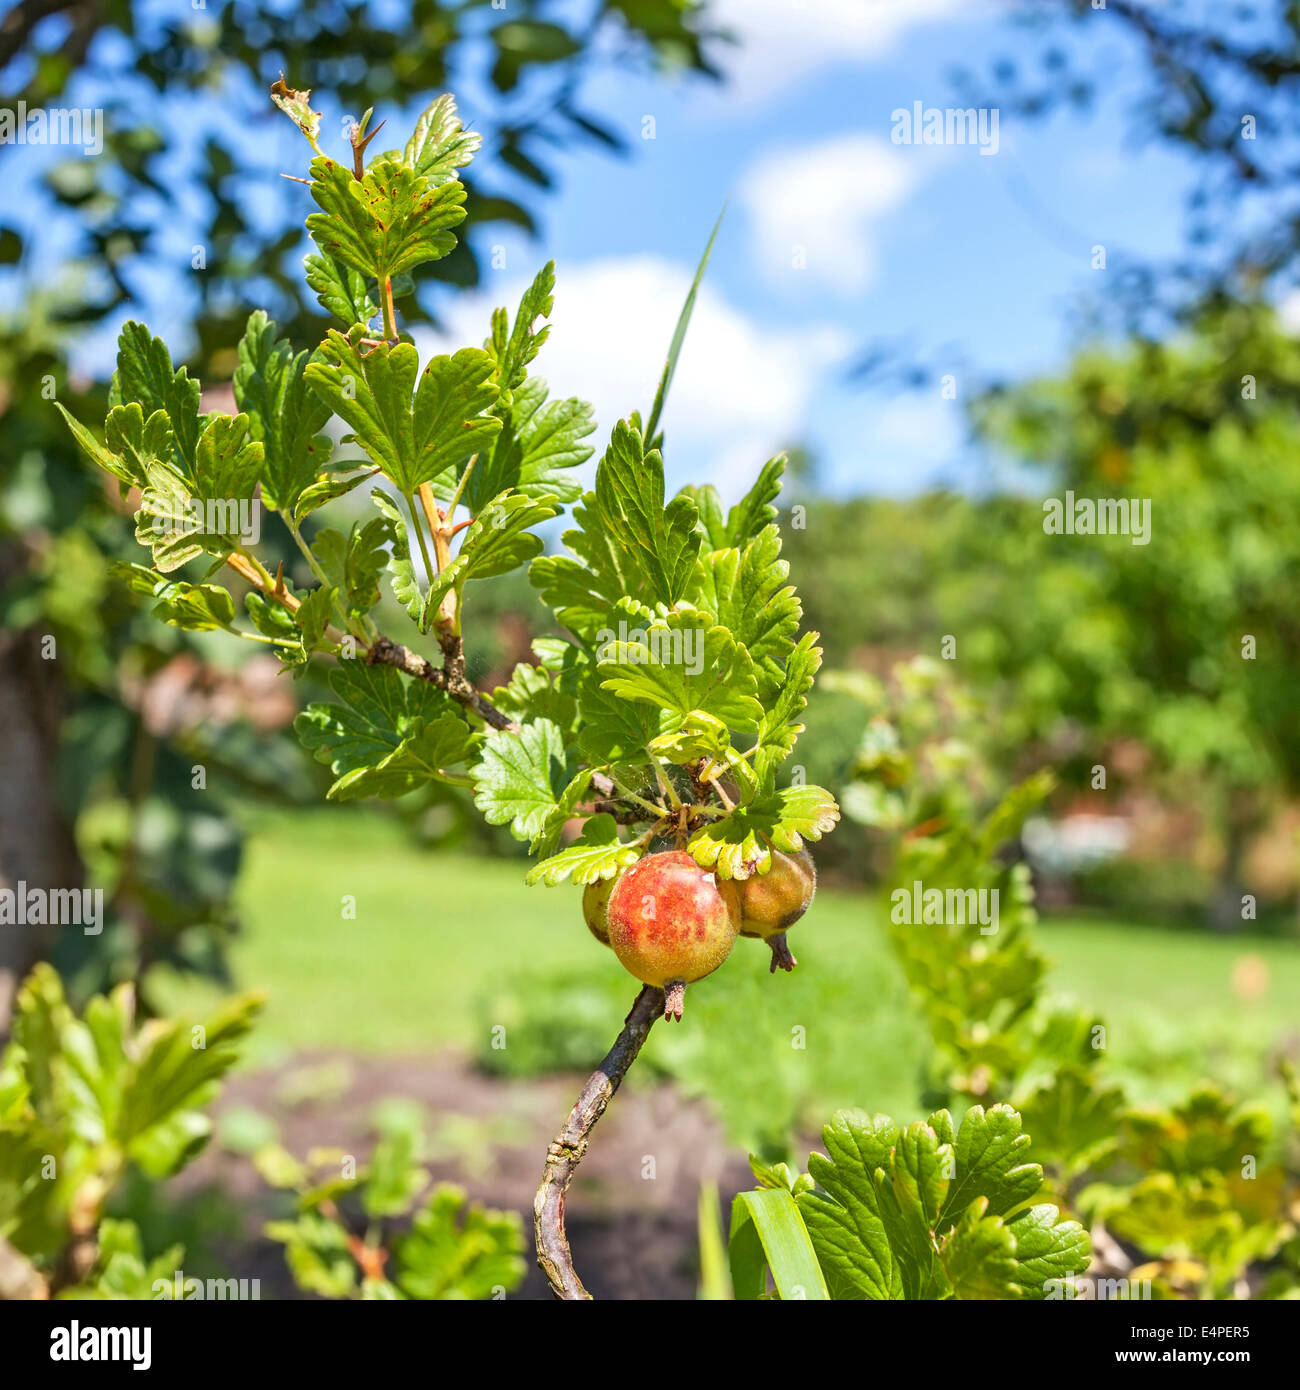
x=570, y=1145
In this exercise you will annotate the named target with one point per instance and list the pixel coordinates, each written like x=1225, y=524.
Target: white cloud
x=741, y=391
x=782, y=42
x=820, y=203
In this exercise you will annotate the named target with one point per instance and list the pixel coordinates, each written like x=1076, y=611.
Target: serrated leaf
x=412, y=433
x=440, y=146
x=513, y=347
x=340, y=290
x=499, y=540
x=456, y=1250
x=388, y=221
x=920, y=1213
x=405, y=580
x=746, y=592
x=684, y=664
x=521, y=777
x=227, y=463
x=333, y=483
x=195, y=607
x=144, y=375
x=711, y=520
x=979, y=1256
x=625, y=542
x=283, y=413
x=1048, y=1250
x=389, y=736
x=991, y=1162
x=741, y=843
x=780, y=727
x=843, y=1219
x=597, y=853
x=754, y=513
x=630, y=494
x=539, y=442
x=540, y=692
x=353, y=563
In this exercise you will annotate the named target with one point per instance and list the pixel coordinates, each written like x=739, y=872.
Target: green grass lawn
x=443, y=946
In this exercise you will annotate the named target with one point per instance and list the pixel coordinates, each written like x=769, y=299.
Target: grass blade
x=715, y=1277
x=767, y=1232
x=679, y=334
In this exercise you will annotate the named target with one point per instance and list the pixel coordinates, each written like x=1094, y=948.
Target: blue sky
x=972, y=259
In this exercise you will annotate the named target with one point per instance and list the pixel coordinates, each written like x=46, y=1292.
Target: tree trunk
x=36, y=847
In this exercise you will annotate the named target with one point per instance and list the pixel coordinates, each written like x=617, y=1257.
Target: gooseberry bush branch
x=661, y=718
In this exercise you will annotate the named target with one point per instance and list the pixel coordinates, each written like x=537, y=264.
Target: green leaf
x=708, y=504
x=228, y=464
x=499, y=540
x=145, y=376
x=388, y=221
x=131, y=443
x=514, y=347
x=537, y=692
x=389, y=736
x=396, y=1178
x=353, y=563
x=318, y=1254
x=1048, y=1250
x=685, y=664
x=843, y=1219
x=456, y=1250
x=979, y=1256
x=401, y=564
x=745, y=591
x=271, y=389
x=767, y=1232
x=627, y=542
x=521, y=778
x=173, y=1072
x=440, y=146
x=333, y=483
x=597, y=853
x=922, y=1213
x=412, y=439
x=195, y=607
x=539, y=443
x=1074, y=1118
x=780, y=727
x=679, y=333
x=754, y=513
x=340, y=290
x=741, y=843
x=991, y=1162
x=630, y=494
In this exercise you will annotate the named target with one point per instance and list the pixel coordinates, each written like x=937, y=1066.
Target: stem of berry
x=570, y=1145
